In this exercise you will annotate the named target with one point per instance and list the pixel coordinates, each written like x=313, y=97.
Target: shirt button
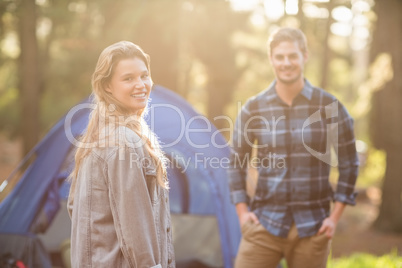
x=169, y=261
x=166, y=199
x=168, y=229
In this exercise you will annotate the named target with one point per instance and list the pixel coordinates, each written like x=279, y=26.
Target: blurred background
x=214, y=54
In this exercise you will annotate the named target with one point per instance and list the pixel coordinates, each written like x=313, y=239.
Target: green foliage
x=363, y=260
x=177, y=34
x=9, y=110
x=9, y=98
x=373, y=170
x=340, y=80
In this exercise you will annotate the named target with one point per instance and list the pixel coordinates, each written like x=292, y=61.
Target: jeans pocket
x=245, y=227
x=320, y=241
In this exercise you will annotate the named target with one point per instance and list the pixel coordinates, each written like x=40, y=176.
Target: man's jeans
x=259, y=248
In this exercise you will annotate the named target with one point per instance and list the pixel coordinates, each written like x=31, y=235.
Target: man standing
x=293, y=126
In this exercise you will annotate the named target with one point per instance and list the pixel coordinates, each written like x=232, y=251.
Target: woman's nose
x=139, y=83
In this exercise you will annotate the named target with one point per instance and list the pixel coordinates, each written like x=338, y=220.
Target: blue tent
x=197, y=178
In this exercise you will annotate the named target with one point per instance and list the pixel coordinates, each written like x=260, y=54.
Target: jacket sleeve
x=348, y=162
x=132, y=208
x=240, y=150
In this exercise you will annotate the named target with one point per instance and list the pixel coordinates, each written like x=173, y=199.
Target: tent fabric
x=183, y=226
x=25, y=247
x=187, y=138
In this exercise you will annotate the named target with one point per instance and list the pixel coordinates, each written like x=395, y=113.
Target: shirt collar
x=306, y=92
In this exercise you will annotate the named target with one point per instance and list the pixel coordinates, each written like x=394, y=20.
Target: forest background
x=214, y=54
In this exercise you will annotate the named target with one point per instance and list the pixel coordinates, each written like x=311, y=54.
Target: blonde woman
x=118, y=202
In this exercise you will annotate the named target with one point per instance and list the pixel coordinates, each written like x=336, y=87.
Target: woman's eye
x=144, y=76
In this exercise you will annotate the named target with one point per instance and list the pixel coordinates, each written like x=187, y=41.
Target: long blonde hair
x=104, y=71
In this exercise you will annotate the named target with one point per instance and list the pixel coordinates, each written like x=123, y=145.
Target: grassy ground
x=355, y=234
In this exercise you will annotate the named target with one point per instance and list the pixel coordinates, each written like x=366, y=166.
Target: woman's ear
x=108, y=89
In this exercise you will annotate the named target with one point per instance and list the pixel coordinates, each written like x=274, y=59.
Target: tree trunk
x=160, y=39
x=29, y=74
x=219, y=95
x=300, y=16
x=386, y=133
x=390, y=216
x=326, y=59
x=385, y=125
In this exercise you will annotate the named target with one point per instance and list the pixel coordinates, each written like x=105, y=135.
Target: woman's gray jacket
x=120, y=215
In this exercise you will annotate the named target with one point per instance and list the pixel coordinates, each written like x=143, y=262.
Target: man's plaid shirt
x=294, y=158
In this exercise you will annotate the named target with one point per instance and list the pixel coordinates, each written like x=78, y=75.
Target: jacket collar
x=306, y=92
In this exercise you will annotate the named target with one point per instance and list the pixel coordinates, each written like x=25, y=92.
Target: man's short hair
x=287, y=34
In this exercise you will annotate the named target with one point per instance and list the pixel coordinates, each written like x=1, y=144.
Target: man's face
x=288, y=62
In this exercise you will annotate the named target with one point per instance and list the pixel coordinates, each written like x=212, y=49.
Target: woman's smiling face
x=131, y=84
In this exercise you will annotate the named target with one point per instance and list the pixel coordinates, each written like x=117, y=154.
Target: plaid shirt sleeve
x=241, y=145
x=348, y=162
